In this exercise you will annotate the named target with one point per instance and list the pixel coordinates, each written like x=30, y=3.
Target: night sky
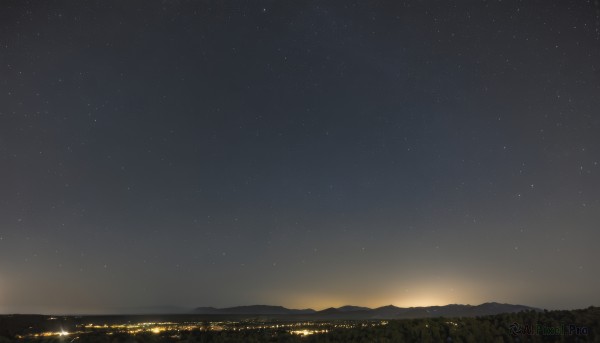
x=298, y=153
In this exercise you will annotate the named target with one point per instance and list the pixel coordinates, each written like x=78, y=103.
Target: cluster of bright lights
x=60, y=333
x=307, y=332
x=298, y=328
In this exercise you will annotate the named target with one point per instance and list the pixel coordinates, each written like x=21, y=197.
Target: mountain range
x=358, y=312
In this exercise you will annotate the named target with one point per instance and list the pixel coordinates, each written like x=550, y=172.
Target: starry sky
x=298, y=153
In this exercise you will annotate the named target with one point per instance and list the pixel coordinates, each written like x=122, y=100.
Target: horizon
x=298, y=152
x=190, y=310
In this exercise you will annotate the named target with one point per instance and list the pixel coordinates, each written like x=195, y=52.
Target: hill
x=252, y=310
x=358, y=312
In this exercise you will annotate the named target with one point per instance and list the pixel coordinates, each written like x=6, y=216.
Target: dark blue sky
x=299, y=153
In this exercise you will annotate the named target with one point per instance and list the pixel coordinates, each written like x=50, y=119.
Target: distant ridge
x=350, y=308
x=358, y=312
x=252, y=309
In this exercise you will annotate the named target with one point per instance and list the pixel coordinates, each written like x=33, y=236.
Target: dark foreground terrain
x=526, y=326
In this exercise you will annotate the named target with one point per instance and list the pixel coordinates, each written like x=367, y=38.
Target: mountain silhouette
x=359, y=312
x=350, y=308
x=252, y=309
